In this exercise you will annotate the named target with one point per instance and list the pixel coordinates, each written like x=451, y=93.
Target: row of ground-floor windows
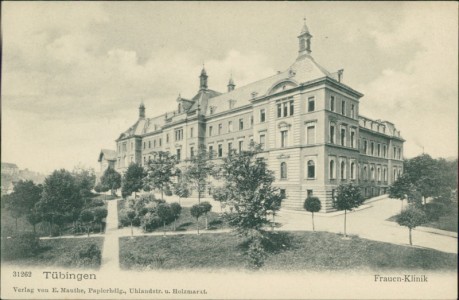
x=311, y=170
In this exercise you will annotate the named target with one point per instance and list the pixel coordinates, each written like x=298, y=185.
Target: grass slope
x=62, y=253
x=298, y=251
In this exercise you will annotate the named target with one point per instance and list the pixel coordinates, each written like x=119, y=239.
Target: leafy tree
x=23, y=199
x=100, y=213
x=312, y=204
x=163, y=211
x=348, y=197
x=60, y=196
x=176, y=210
x=196, y=212
x=159, y=171
x=34, y=218
x=132, y=180
x=251, y=196
x=87, y=217
x=205, y=208
x=111, y=180
x=197, y=170
x=181, y=190
x=130, y=215
x=411, y=218
x=85, y=179
x=221, y=195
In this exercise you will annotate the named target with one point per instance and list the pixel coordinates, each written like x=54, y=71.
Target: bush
x=20, y=246
x=86, y=256
x=435, y=210
x=95, y=203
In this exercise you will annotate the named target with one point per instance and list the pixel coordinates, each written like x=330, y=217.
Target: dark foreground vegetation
x=285, y=251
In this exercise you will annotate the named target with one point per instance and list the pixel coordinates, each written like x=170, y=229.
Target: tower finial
x=304, y=40
x=231, y=84
x=142, y=110
x=203, y=79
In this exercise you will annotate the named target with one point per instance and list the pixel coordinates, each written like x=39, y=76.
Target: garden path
x=110, y=252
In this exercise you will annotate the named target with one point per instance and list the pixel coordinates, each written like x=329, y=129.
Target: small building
x=107, y=158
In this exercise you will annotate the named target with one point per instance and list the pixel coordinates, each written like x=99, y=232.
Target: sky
x=74, y=73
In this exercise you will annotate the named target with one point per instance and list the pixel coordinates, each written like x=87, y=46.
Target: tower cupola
x=203, y=79
x=231, y=84
x=142, y=111
x=304, y=41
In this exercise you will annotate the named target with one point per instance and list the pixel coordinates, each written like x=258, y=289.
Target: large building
x=305, y=118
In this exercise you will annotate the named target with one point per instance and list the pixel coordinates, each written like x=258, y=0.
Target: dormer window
x=231, y=103
x=180, y=108
x=212, y=109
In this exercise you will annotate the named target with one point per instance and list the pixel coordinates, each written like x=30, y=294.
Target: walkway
x=371, y=224
x=110, y=252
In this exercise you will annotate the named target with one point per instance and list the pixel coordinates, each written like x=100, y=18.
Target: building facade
x=305, y=118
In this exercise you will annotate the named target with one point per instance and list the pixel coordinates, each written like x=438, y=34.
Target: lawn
x=65, y=252
x=294, y=251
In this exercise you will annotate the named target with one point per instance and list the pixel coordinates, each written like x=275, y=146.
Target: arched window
x=385, y=174
x=365, y=174
x=332, y=169
x=352, y=170
x=343, y=170
x=283, y=170
x=379, y=174
x=311, y=169
x=372, y=173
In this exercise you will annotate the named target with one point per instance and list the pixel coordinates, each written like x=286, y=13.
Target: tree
x=197, y=170
x=196, y=212
x=221, y=195
x=206, y=207
x=60, y=196
x=85, y=179
x=87, y=217
x=159, y=171
x=251, y=197
x=23, y=199
x=100, y=213
x=130, y=215
x=411, y=218
x=111, y=180
x=181, y=189
x=132, y=180
x=163, y=211
x=176, y=210
x=348, y=197
x=312, y=204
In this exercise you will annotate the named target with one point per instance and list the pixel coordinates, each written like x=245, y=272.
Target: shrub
x=86, y=256
x=20, y=246
x=435, y=210
x=95, y=203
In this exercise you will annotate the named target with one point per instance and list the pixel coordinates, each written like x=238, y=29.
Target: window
x=124, y=147
x=311, y=104
x=352, y=170
x=241, y=146
x=284, y=138
x=144, y=145
x=211, y=152
x=365, y=173
x=379, y=149
x=179, y=134
x=241, y=124
x=343, y=169
x=365, y=146
x=353, y=111
x=285, y=107
x=160, y=140
x=144, y=160
x=149, y=144
x=167, y=138
x=309, y=193
x=191, y=131
x=384, y=174
x=372, y=173
x=191, y=152
x=179, y=151
x=311, y=169
x=343, y=108
x=283, y=193
x=212, y=110
x=132, y=146
x=332, y=103
x=220, y=128
x=378, y=173
x=332, y=133
x=154, y=144
x=262, y=141
x=311, y=134
x=210, y=130
x=352, y=139
x=395, y=152
x=220, y=150
x=372, y=148
x=230, y=148
x=292, y=107
x=343, y=136
x=279, y=110
x=262, y=115
x=283, y=170
x=332, y=169
x=230, y=126
x=251, y=120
